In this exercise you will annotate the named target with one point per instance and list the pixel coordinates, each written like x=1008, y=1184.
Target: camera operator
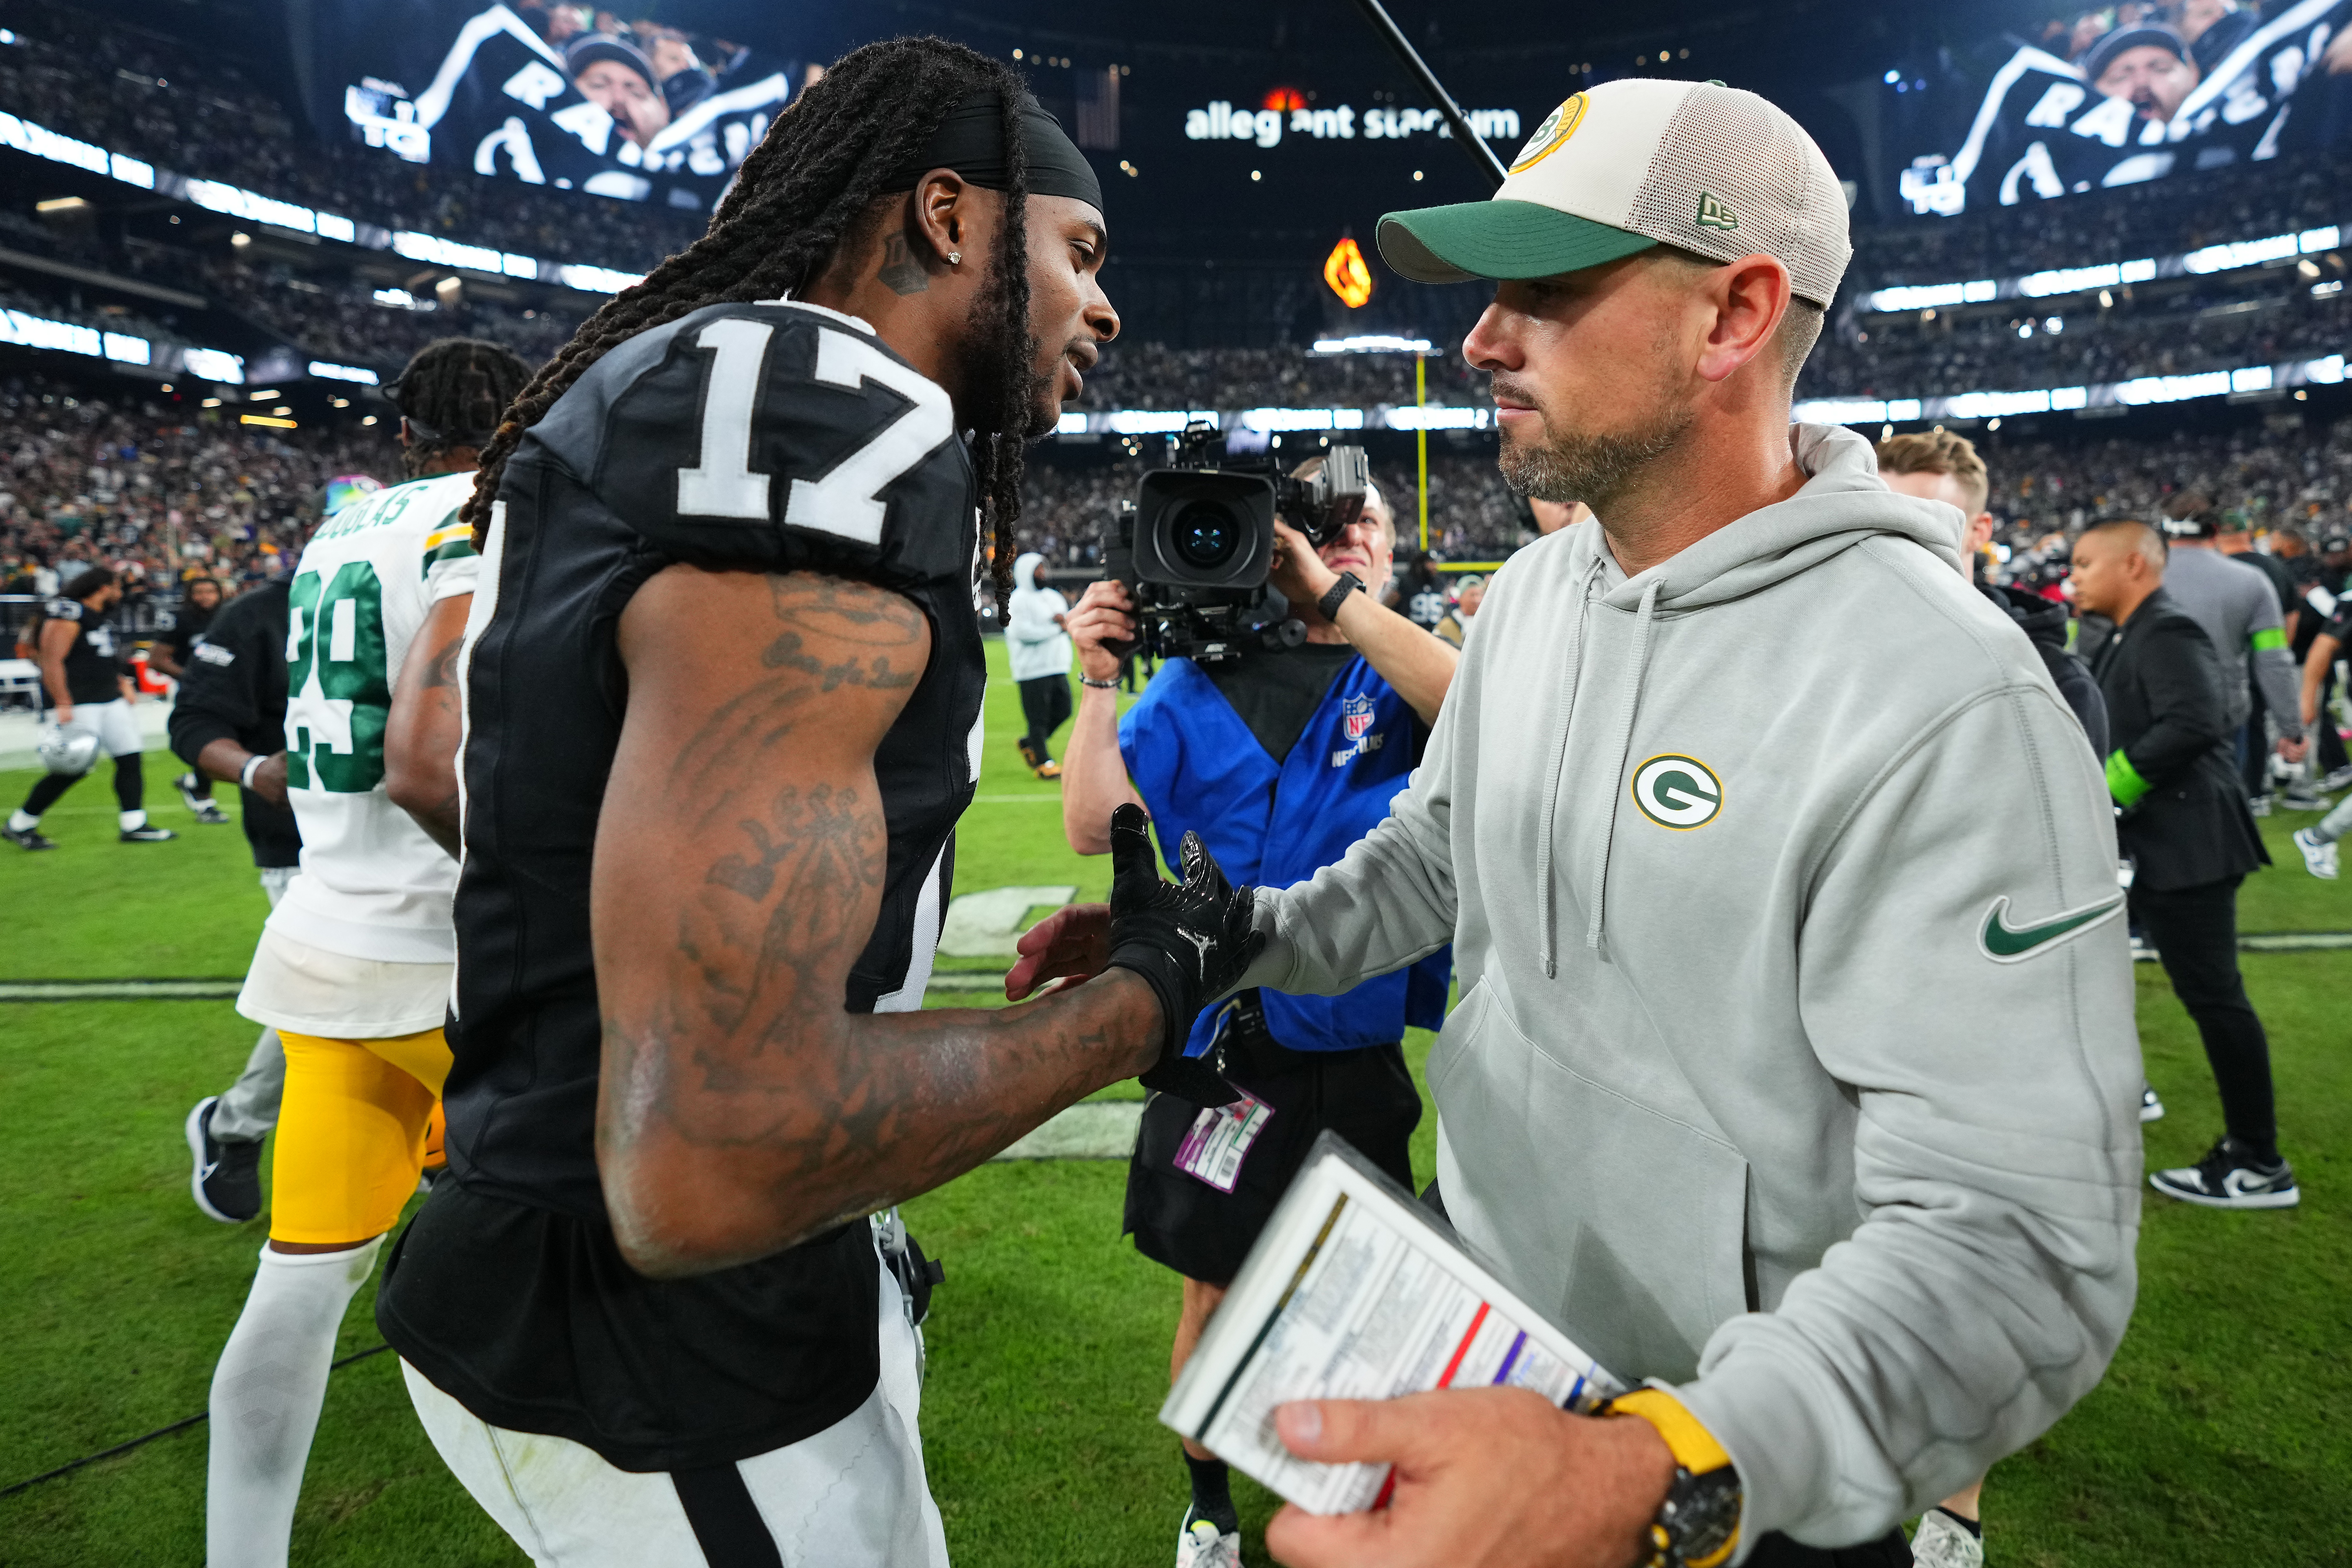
x=1280, y=761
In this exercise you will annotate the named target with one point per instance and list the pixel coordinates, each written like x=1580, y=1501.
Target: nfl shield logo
x=1358, y=714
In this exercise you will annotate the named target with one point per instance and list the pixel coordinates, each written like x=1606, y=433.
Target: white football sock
x=130, y=819
x=267, y=1391
x=22, y=822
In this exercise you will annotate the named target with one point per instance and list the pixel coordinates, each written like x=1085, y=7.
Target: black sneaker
x=30, y=839
x=227, y=1178
x=204, y=808
x=2229, y=1178
x=150, y=834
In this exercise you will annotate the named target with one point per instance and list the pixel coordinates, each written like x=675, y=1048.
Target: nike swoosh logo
x=2005, y=943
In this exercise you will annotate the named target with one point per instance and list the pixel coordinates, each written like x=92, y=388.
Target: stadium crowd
x=2225, y=322
x=2164, y=217
x=161, y=494
x=116, y=86
x=1473, y=515
x=98, y=80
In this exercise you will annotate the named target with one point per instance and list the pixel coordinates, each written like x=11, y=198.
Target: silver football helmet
x=70, y=752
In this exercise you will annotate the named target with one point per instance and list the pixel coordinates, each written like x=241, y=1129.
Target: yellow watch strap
x=1694, y=1447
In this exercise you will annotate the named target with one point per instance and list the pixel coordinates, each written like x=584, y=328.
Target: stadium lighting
x=1345, y=271
x=273, y=422
x=62, y=204
x=1374, y=343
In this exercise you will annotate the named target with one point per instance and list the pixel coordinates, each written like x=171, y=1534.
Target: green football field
x=2218, y=1437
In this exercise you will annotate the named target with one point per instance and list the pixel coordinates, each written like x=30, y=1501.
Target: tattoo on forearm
x=751, y=1050
x=442, y=670
x=901, y=272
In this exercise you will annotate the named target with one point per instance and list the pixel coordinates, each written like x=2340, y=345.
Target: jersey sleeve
x=782, y=438
x=452, y=566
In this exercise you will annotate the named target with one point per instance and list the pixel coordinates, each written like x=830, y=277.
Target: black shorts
x=1366, y=1096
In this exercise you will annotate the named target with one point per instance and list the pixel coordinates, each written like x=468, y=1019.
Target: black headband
x=970, y=141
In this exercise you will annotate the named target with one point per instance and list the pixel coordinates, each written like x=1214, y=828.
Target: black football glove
x=1189, y=941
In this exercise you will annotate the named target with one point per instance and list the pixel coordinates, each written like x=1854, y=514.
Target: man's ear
x=942, y=213
x=1750, y=295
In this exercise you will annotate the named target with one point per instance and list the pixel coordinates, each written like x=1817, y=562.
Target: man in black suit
x=2184, y=823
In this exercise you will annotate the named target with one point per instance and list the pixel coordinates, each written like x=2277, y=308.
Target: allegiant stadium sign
x=1221, y=122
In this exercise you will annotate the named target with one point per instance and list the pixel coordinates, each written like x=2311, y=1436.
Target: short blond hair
x=1938, y=451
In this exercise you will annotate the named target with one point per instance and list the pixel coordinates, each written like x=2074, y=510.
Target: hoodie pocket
x=1627, y=1225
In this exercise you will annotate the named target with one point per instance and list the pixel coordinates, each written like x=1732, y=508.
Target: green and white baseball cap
x=1635, y=163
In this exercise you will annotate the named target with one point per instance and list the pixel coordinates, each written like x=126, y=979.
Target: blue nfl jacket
x=1199, y=768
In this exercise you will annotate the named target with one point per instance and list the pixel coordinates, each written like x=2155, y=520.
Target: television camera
x=1195, y=545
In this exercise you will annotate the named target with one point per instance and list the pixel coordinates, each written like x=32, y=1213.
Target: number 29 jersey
x=372, y=884
x=769, y=437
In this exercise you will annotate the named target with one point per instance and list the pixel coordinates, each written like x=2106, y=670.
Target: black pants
x=2331, y=755
x=2254, y=744
x=130, y=786
x=2195, y=930
x=1045, y=704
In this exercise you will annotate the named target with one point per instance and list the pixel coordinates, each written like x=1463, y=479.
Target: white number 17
x=847, y=501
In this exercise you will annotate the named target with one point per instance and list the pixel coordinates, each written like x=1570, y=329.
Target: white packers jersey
x=372, y=884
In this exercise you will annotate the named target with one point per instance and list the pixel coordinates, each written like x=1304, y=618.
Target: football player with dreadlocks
x=722, y=693
x=352, y=971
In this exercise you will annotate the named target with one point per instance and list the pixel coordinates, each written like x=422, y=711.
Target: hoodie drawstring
x=1633, y=669
x=1544, y=919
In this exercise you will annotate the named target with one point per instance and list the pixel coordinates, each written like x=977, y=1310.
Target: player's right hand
x=1103, y=619
x=1190, y=941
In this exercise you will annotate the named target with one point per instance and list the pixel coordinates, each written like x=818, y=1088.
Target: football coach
x=1794, y=1071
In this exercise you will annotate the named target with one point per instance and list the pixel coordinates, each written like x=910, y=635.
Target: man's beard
x=1591, y=467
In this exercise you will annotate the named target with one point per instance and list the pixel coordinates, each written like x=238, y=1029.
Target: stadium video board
x=2120, y=96
x=556, y=94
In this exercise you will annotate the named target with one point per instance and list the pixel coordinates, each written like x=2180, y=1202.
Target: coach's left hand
x=1485, y=1478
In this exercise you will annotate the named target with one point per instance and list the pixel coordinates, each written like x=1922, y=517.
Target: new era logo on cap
x=1630, y=164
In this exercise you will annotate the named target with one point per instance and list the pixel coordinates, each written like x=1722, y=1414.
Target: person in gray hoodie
x=1794, y=1071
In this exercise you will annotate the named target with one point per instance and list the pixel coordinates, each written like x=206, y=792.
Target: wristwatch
x=1698, y=1524
x=1329, y=603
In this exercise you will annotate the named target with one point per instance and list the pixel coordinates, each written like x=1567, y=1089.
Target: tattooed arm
x=420, y=737
x=738, y=873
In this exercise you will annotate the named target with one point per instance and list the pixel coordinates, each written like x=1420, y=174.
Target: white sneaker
x=1198, y=1545
x=2318, y=859
x=2151, y=1109
x=1940, y=1542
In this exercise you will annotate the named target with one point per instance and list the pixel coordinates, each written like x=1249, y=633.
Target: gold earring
x=955, y=258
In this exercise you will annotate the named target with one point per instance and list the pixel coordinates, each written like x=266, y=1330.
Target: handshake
x=1190, y=941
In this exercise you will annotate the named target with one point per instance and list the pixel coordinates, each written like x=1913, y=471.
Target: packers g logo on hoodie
x=1678, y=792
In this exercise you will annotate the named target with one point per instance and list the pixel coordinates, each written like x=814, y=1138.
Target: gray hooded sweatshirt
x=1794, y=1064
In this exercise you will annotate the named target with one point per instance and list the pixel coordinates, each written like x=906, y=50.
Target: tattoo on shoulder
x=839, y=612
x=901, y=272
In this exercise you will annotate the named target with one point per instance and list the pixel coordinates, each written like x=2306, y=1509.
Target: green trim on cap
x=1498, y=239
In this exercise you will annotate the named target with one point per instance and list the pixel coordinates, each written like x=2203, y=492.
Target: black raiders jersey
x=93, y=665
x=770, y=437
